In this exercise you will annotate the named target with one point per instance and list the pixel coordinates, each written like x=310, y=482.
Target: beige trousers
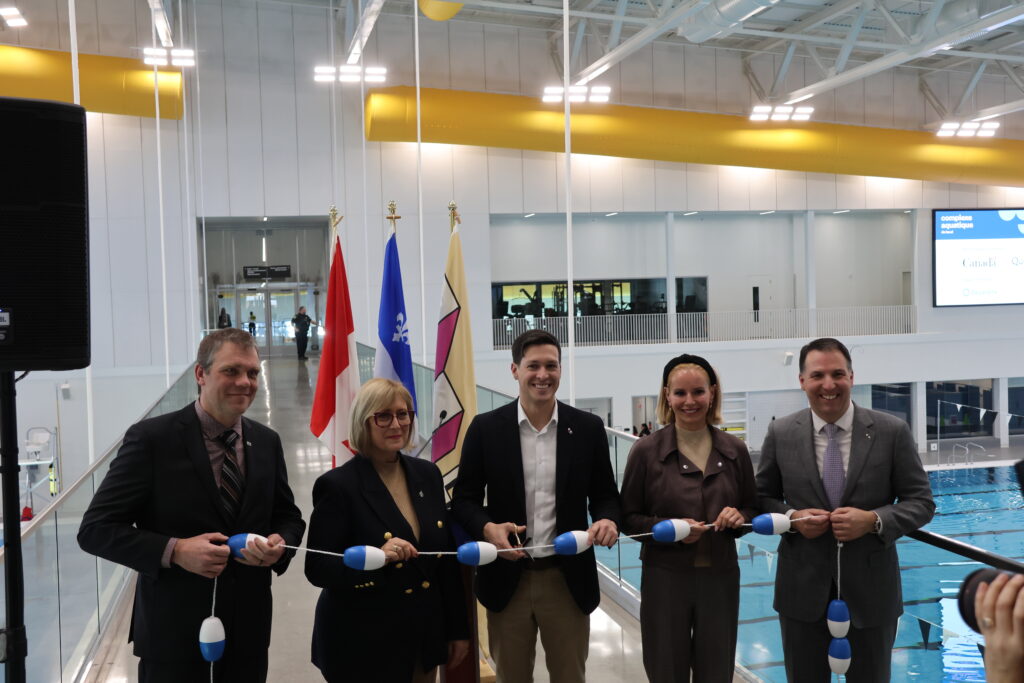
x=541, y=602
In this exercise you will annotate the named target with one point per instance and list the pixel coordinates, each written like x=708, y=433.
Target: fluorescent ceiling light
x=529, y=215
x=691, y=213
x=183, y=61
x=766, y=112
x=16, y=22
x=842, y=211
x=598, y=98
x=9, y=11
x=577, y=93
x=154, y=52
x=551, y=98
x=613, y=213
x=375, y=79
x=349, y=78
x=323, y=78
x=155, y=61
x=601, y=90
x=376, y=70
x=324, y=70
x=765, y=213
x=183, y=52
x=967, y=129
x=350, y=69
x=554, y=90
x=762, y=109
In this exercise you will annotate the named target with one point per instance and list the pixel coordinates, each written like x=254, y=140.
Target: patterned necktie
x=232, y=483
x=832, y=474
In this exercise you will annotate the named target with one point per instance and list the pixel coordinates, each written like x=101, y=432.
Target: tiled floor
x=283, y=403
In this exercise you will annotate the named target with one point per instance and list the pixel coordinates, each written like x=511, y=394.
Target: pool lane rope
x=212, y=639
x=838, y=619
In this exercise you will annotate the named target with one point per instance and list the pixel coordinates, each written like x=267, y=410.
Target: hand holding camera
x=999, y=608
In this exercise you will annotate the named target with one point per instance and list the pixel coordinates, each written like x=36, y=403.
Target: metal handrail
x=971, y=552
x=52, y=509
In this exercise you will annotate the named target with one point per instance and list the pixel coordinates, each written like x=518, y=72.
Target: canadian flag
x=338, y=379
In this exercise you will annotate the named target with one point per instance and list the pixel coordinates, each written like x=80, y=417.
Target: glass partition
x=70, y=595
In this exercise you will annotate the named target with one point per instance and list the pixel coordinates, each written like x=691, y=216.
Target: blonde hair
x=664, y=412
x=376, y=395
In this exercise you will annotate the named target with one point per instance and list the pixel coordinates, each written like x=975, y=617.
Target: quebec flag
x=394, y=355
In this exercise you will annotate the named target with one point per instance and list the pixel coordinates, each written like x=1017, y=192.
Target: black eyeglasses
x=385, y=419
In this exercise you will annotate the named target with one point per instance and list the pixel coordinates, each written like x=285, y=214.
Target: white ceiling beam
x=1012, y=75
x=998, y=110
x=889, y=19
x=367, y=20
x=616, y=31
x=780, y=77
x=851, y=39
x=646, y=35
x=969, y=90
x=909, y=53
x=811, y=21
x=551, y=11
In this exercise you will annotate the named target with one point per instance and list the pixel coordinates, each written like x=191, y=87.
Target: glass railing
x=70, y=595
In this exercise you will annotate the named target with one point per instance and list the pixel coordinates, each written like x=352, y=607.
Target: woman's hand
x=397, y=550
x=1000, y=611
x=729, y=518
x=697, y=529
x=457, y=651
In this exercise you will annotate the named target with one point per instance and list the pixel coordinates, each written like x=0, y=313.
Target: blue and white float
x=477, y=553
x=838, y=618
x=239, y=541
x=572, y=542
x=839, y=655
x=670, y=530
x=364, y=558
x=771, y=524
x=211, y=639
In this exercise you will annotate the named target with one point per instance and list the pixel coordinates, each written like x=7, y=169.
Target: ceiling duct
x=721, y=18
x=958, y=13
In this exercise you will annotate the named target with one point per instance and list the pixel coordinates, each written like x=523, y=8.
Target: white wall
x=861, y=257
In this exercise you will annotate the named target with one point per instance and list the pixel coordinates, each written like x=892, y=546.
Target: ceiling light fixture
x=765, y=213
x=12, y=16
x=595, y=94
x=784, y=112
x=350, y=73
x=967, y=129
x=691, y=213
x=842, y=211
x=529, y=215
x=613, y=213
x=158, y=56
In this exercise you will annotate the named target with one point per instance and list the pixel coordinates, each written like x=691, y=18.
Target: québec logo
x=401, y=330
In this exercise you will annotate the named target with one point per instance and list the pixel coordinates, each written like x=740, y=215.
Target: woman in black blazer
x=400, y=622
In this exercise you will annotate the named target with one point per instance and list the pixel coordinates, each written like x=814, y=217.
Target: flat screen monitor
x=977, y=257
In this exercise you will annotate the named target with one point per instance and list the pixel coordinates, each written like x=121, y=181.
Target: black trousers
x=234, y=667
x=301, y=340
x=806, y=650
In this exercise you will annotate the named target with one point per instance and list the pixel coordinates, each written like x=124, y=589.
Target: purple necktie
x=832, y=474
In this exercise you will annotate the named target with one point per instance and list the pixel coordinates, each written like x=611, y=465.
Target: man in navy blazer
x=164, y=510
x=541, y=466
x=853, y=475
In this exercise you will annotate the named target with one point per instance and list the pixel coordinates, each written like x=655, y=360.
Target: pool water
x=982, y=507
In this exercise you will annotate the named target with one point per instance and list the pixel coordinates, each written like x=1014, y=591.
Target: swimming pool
x=982, y=507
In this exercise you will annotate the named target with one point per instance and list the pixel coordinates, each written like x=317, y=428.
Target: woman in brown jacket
x=692, y=471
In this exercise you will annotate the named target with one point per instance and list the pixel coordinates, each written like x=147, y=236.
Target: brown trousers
x=541, y=602
x=688, y=620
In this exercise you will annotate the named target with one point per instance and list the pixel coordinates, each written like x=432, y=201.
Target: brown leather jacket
x=661, y=483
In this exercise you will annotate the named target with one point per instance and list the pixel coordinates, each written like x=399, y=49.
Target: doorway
x=267, y=311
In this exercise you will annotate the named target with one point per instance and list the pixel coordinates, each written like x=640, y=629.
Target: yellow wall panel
x=518, y=122
x=110, y=85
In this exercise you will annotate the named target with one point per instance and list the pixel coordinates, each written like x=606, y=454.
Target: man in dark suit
x=541, y=465
x=179, y=486
x=854, y=477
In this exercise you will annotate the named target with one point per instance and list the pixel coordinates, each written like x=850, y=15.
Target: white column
x=1001, y=404
x=810, y=289
x=670, y=275
x=919, y=412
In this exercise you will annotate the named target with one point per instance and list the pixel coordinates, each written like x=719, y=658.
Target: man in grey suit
x=854, y=475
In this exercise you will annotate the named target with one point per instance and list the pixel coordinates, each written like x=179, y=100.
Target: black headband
x=687, y=359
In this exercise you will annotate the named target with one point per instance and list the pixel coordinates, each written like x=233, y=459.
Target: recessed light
x=613, y=213
x=691, y=213
x=842, y=211
x=765, y=213
x=529, y=215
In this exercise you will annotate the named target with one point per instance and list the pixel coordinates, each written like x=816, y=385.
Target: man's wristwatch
x=878, y=524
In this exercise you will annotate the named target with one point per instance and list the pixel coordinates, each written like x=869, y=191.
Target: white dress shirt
x=538, y=448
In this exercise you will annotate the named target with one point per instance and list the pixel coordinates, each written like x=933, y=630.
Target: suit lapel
x=192, y=436
x=563, y=451
x=257, y=467
x=808, y=461
x=861, y=441
x=514, y=456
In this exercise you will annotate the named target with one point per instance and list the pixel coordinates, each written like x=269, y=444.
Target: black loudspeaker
x=44, y=236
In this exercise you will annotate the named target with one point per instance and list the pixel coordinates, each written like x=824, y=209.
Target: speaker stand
x=13, y=643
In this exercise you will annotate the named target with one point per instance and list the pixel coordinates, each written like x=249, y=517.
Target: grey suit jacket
x=884, y=476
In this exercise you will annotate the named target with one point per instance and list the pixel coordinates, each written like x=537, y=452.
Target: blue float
x=572, y=542
x=838, y=618
x=477, y=553
x=670, y=530
x=211, y=639
x=839, y=655
x=364, y=558
x=239, y=541
x=771, y=524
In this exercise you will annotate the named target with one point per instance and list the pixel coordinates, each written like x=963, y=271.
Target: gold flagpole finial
x=333, y=219
x=453, y=215
x=392, y=216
